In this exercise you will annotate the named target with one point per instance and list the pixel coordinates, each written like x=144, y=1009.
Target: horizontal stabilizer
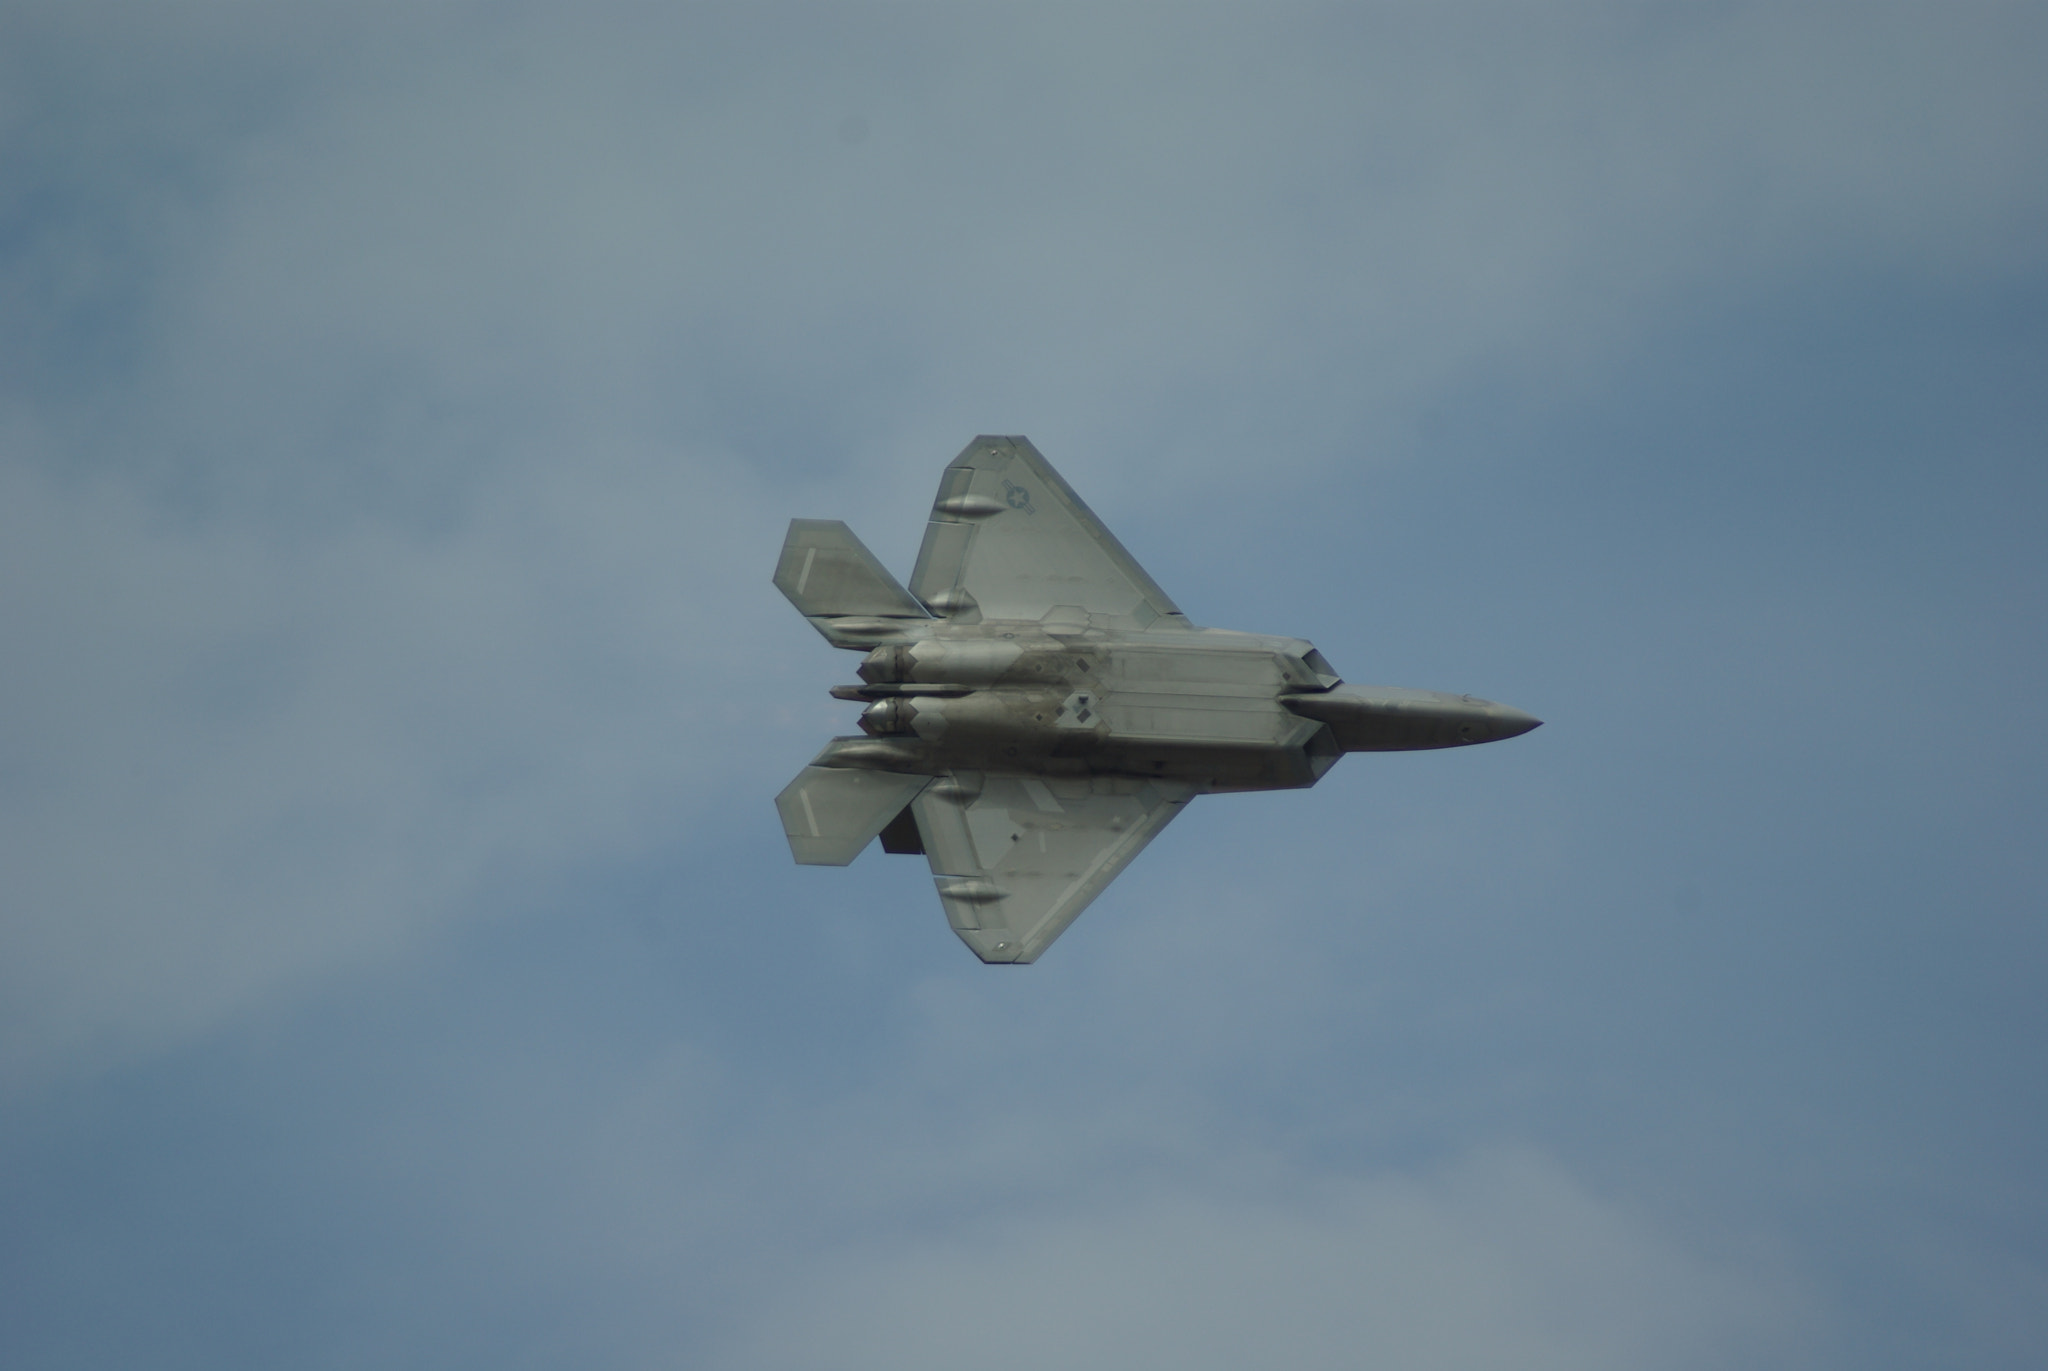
x=830, y=813
x=828, y=573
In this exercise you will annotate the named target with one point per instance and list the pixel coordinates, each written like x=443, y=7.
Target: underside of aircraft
x=1038, y=709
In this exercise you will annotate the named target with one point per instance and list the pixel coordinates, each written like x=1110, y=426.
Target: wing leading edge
x=1008, y=539
x=1017, y=858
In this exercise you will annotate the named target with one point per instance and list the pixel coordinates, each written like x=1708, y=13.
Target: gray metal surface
x=1017, y=858
x=1038, y=709
x=1008, y=539
x=830, y=813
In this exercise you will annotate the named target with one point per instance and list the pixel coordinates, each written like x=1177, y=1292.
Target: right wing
x=1017, y=858
x=1010, y=539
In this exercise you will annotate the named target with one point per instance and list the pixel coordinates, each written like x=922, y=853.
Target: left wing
x=1008, y=539
x=1017, y=858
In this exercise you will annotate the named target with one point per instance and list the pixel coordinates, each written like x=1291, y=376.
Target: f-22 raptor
x=1038, y=709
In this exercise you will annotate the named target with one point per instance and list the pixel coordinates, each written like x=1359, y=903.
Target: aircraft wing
x=1010, y=540
x=1017, y=858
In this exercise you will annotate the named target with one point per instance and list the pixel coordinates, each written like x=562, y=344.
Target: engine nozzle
x=887, y=717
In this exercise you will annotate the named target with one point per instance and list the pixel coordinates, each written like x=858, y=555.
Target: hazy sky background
x=400, y=960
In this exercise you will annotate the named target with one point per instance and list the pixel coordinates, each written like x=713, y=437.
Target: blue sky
x=400, y=961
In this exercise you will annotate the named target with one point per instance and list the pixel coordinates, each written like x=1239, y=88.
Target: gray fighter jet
x=1038, y=709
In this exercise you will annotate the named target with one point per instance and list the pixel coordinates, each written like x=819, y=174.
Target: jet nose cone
x=1509, y=722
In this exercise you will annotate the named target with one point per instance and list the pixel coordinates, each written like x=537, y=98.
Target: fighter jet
x=1038, y=709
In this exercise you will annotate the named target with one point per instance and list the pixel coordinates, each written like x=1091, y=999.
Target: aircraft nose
x=1509, y=722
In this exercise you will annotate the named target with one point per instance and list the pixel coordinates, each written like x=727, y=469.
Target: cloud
x=649, y=220
x=238, y=757
x=1498, y=1260
x=384, y=368
x=397, y=422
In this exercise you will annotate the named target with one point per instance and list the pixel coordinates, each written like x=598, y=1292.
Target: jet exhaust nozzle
x=888, y=717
